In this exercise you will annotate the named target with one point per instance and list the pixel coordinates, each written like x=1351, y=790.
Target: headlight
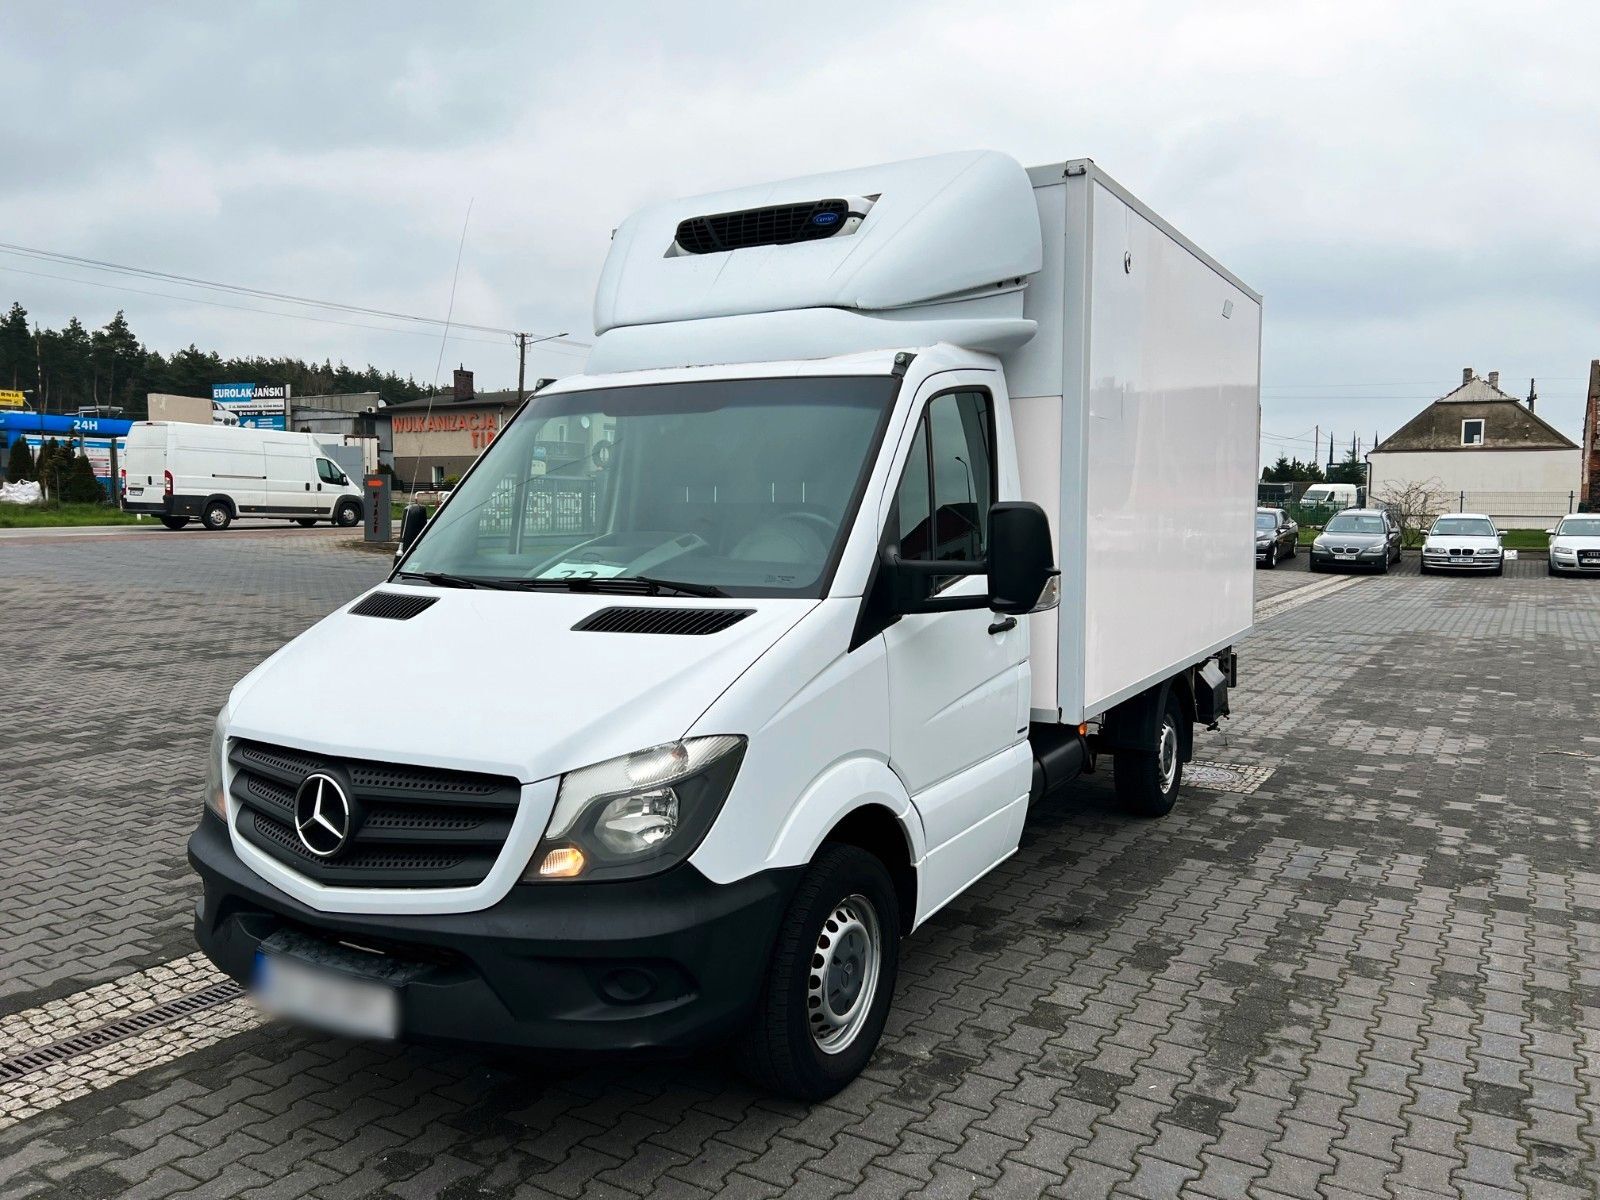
x=637, y=814
x=1487, y=551
x=216, y=790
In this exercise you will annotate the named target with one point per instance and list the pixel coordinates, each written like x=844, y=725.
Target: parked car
x=1463, y=542
x=1575, y=546
x=1277, y=536
x=1357, y=537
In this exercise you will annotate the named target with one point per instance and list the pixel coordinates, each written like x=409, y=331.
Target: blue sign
x=257, y=405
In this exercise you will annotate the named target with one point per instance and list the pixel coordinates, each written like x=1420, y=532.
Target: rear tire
x=347, y=514
x=827, y=990
x=174, y=522
x=1147, y=780
x=217, y=516
x=308, y=522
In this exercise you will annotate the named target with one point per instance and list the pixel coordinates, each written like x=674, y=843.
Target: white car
x=1575, y=546
x=1463, y=542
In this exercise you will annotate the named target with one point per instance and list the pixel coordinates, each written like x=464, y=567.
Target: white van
x=180, y=472
x=1331, y=495
x=749, y=650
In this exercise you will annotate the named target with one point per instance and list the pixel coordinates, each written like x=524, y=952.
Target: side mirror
x=411, y=523
x=1022, y=571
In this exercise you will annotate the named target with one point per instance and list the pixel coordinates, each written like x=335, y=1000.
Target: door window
x=942, y=505
x=328, y=472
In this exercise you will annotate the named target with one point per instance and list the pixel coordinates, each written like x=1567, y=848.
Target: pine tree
x=19, y=465
x=48, y=468
x=78, y=484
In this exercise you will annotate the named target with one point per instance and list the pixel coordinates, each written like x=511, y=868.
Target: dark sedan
x=1277, y=536
x=1357, y=537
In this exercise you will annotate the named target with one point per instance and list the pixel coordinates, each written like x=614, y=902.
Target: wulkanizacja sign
x=258, y=405
x=481, y=425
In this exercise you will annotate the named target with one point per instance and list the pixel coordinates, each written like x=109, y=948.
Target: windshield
x=728, y=487
x=1266, y=521
x=1463, y=527
x=1316, y=496
x=1579, y=527
x=1350, y=523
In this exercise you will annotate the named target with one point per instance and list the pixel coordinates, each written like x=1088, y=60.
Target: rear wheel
x=1147, y=779
x=827, y=991
x=308, y=522
x=174, y=522
x=217, y=516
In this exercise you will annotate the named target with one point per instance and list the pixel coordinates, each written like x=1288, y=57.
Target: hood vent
x=778, y=225
x=393, y=606
x=695, y=622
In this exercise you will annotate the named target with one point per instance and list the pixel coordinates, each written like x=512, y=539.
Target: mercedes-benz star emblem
x=322, y=815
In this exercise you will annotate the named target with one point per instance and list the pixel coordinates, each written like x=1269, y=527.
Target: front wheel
x=827, y=990
x=1147, y=780
x=347, y=514
x=1272, y=557
x=174, y=522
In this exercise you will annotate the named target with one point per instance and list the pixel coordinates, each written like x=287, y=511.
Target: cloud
x=1411, y=186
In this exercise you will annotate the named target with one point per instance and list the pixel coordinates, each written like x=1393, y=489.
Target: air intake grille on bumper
x=402, y=826
x=779, y=225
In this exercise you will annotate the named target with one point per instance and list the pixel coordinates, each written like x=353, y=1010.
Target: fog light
x=563, y=862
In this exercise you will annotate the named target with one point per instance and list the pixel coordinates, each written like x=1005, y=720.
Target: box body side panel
x=1170, y=429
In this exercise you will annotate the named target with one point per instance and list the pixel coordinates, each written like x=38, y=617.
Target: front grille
x=779, y=225
x=409, y=826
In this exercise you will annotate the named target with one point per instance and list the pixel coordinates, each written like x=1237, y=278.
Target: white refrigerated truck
x=747, y=646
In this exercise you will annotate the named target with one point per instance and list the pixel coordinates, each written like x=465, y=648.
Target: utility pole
x=1532, y=395
x=524, y=340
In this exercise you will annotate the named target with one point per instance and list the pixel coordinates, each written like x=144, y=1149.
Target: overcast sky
x=1414, y=187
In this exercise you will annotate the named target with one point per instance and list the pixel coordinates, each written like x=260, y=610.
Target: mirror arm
x=953, y=566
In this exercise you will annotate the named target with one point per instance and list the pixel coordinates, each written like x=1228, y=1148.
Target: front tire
x=174, y=522
x=826, y=996
x=217, y=516
x=1272, y=556
x=347, y=514
x=1147, y=780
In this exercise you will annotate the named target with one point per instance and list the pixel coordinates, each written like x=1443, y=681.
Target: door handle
x=1003, y=625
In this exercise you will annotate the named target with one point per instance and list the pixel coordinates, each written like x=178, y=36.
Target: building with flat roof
x=435, y=439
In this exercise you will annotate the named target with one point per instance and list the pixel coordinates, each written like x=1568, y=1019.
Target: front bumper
x=1461, y=562
x=1325, y=558
x=670, y=962
x=1588, y=566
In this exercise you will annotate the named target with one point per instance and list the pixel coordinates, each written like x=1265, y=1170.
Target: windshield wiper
x=681, y=588
x=631, y=584
x=442, y=579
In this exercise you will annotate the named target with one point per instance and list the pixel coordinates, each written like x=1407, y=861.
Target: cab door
x=958, y=681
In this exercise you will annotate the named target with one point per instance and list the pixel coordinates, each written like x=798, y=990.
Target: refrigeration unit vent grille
x=778, y=225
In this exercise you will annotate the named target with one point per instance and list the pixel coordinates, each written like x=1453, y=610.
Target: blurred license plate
x=136, y=491
x=327, y=999
x=1344, y=557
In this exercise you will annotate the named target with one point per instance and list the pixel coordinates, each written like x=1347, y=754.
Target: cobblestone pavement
x=121, y=651
x=1374, y=975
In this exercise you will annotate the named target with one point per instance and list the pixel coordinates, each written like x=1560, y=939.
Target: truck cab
x=754, y=640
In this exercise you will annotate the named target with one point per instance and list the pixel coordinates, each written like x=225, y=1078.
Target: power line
x=96, y=264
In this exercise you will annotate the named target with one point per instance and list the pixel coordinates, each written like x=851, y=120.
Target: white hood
x=498, y=681
x=1572, y=541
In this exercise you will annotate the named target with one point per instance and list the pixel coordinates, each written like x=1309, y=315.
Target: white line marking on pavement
x=57, y=1020
x=1284, y=601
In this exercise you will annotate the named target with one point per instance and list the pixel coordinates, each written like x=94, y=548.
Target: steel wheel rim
x=843, y=980
x=1167, y=755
